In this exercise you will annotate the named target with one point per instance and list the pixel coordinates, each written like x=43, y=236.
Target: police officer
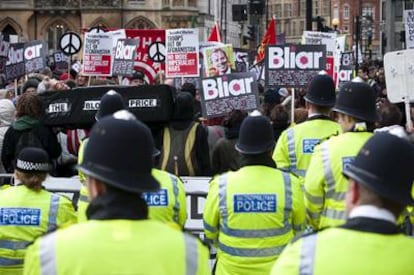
x=27, y=211
x=169, y=204
x=295, y=146
x=252, y=213
x=325, y=186
x=118, y=238
x=370, y=241
x=110, y=102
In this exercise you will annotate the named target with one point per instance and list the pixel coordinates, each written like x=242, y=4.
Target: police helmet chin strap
x=360, y=127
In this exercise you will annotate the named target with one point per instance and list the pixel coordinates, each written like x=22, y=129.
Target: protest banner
x=116, y=35
x=150, y=57
x=320, y=38
x=222, y=94
x=97, y=54
x=60, y=60
x=76, y=108
x=409, y=29
x=35, y=56
x=15, y=62
x=124, y=58
x=182, y=53
x=293, y=66
x=340, y=43
x=219, y=60
x=346, y=68
x=4, y=50
x=399, y=76
x=330, y=66
x=241, y=60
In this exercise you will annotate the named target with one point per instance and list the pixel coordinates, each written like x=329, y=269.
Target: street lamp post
x=335, y=24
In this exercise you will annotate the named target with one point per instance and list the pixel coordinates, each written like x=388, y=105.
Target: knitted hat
x=30, y=83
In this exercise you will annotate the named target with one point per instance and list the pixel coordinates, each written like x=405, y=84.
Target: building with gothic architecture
x=48, y=19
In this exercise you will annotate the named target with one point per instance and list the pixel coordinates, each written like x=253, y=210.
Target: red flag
x=269, y=38
x=215, y=34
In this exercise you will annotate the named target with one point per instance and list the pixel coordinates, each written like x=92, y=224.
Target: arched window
x=53, y=34
x=8, y=29
x=141, y=23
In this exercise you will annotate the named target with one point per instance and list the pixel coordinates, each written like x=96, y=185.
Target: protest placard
x=182, y=53
x=60, y=60
x=346, y=68
x=4, y=49
x=219, y=60
x=409, y=29
x=293, y=66
x=222, y=94
x=35, y=56
x=241, y=58
x=320, y=38
x=124, y=59
x=116, y=35
x=15, y=62
x=150, y=57
x=97, y=54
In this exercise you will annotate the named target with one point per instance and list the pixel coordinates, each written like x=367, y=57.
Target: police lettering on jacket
x=159, y=198
x=258, y=203
x=308, y=145
x=20, y=216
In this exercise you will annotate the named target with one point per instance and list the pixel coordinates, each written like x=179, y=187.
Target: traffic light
x=251, y=33
x=402, y=36
x=319, y=23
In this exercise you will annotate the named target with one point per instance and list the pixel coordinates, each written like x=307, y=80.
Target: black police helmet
x=110, y=103
x=256, y=135
x=357, y=100
x=32, y=159
x=321, y=91
x=384, y=165
x=120, y=153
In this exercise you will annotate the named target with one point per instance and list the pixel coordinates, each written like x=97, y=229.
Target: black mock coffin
x=76, y=108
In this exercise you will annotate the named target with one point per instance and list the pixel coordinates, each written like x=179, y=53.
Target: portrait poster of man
x=219, y=60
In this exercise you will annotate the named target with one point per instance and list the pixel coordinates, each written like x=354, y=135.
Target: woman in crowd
x=28, y=130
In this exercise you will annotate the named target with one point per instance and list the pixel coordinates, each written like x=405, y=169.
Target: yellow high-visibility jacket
x=325, y=185
x=250, y=215
x=25, y=215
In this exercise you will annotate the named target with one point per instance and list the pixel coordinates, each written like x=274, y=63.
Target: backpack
x=28, y=139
